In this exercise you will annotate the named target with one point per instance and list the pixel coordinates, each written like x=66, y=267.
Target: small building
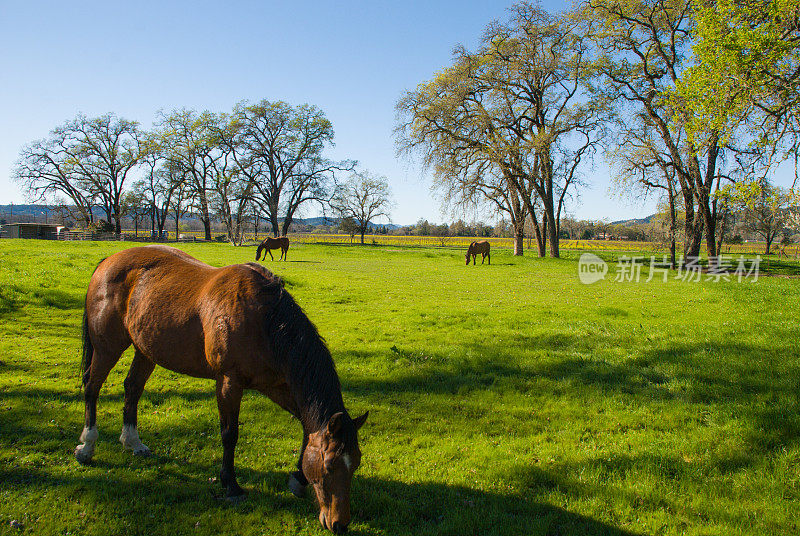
x=41, y=231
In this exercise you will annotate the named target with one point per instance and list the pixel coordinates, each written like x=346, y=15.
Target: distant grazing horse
x=482, y=247
x=273, y=243
x=236, y=325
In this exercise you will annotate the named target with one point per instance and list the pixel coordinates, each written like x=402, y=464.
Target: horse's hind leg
x=229, y=398
x=101, y=365
x=140, y=371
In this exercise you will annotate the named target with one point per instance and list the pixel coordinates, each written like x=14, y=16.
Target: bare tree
x=107, y=150
x=86, y=159
x=47, y=169
x=363, y=197
x=136, y=207
x=231, y=186
x=189, y=143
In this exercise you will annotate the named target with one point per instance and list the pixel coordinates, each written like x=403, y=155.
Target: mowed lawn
x=504, y=399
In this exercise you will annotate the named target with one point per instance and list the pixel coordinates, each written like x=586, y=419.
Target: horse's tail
x=88, y=349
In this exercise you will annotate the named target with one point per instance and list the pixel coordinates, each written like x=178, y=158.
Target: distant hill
x=25, y=210
x=324, y=220
x=40, y=212
x=635, y=221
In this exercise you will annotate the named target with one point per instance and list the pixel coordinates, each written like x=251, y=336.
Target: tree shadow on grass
x=14, y=297
x=749, y=387
x=647, y=374
x=423, y=508
x=778, y=266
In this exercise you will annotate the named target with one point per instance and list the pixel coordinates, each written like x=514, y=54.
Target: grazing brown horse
x=482, y=247
x=236, y=325
x=273, y=243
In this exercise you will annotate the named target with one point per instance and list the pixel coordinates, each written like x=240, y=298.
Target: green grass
x=504, y=399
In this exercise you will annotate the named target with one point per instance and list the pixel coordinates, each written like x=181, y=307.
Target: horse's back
x=178, y=311
x=479, y=246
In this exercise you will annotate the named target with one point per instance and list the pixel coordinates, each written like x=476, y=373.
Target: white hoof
x=85, y=451
x=130, y=440
x=83, y=454
x=142, y=450
x=297, y=489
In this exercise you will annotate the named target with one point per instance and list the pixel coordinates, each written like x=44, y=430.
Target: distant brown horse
x=482, y=247
x=236, y=325
x=273, y=243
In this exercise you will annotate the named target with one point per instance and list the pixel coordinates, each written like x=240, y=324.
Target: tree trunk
x=692, y=228
x=273, y=220
x=710, y=227
x=205, y=217
x=553, y=232
x=541, y=234
x=287, y=221
x=673, y=228
x=519, y=238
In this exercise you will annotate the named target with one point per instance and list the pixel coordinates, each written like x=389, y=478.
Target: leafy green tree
x=746, y=71
x=767, y=209
x=646, y=51
x=518, y=108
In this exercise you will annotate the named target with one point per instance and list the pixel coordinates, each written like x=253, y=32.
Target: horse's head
x=466, y=257
x=329, y=461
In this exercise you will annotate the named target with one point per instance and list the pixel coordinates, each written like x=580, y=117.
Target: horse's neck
x=315, y=414
x=318, y=392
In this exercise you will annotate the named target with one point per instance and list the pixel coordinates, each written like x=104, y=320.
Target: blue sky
x=352, y=59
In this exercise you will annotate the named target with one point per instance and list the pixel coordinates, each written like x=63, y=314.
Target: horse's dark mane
x=312, y=373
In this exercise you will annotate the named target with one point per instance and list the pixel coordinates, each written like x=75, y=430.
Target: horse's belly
x=174, y=345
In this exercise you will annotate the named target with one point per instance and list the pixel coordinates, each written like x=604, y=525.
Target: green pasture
x=506, y=399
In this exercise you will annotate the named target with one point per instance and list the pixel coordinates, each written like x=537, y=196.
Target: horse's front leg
x=297, y=480
x=270, y=254
x=229, y=398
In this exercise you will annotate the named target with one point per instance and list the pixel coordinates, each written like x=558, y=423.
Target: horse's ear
x=359, y=422
x=335, y=423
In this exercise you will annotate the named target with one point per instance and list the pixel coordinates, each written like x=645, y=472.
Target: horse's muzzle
x=336, y=527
